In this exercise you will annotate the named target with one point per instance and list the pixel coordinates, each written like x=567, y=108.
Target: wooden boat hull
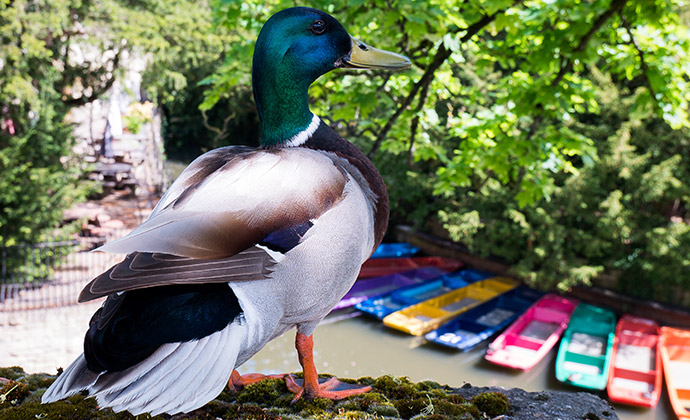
x=584, y=356
x=674, y=346
x=423, y=317
x=385, y=304
x=635, y=372
x=484, y=321
x=376, y=267
x=527, y=340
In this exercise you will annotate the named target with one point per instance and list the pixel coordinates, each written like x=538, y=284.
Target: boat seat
x=635, y=358
x=494, y=317
x=539, y=330
x=681, y=375
x=591, y=345
x=633, y=385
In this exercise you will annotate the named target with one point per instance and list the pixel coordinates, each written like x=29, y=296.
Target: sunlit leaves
x=502, y=114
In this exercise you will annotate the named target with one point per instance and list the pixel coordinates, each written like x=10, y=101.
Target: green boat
x=585, y=352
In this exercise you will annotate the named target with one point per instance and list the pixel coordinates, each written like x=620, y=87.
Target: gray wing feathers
x=74, y=379
x=140, y=270
x=177, y=377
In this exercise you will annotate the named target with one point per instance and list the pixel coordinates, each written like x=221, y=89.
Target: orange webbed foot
x=330, y=388
x=238, y=381
x=312, y=386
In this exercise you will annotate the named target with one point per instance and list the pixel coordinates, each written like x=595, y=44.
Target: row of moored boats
x=433, y=297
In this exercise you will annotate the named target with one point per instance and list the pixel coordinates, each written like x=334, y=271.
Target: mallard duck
x=246, y=243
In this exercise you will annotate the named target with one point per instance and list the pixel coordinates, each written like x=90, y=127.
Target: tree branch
x=440, y=57
x=220, y=132
x=640, y=54
x=415, y=121
x=615, y=7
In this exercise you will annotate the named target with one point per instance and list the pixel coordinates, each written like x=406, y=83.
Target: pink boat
x=533, y=334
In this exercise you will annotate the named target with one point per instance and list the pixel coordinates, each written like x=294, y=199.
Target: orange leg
x=311, y=387
x=238, y=381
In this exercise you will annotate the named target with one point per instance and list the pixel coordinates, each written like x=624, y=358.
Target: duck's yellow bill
x=364, y=56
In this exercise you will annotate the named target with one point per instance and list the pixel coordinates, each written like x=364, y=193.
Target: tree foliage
x=625, y=215
x=550, y=133
x=59, y=54
x=496, y=84
x=498, y=133
x=36, y=182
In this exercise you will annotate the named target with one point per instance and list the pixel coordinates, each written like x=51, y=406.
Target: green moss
x=455, y=398
x=410, y=407
x=391, y=398
x=13, y=393
x=395, y=388
x=13, y=373
x=384, y=410
x=62, y=410
x=427, y=386
x=314, y=408
x=213, y=410
x=353, y=415
x=431, y=417
x=249, y=412
x=264, y=392
x=365, y=380
x=492, y=403
x=227, y=395
x=37, y=381
x=446, y=407
x=471, y=411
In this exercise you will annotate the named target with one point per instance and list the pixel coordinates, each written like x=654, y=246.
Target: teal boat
x=585, y=353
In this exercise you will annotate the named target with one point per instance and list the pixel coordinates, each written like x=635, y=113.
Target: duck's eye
x=318, y=27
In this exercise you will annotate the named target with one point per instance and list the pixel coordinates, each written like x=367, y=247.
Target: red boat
x=376, y=267
x=674, y=346
x=635, y=374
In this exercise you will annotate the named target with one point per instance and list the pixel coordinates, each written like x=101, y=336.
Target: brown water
x=347, y=346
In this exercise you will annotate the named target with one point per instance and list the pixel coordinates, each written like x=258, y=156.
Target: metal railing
x=51, y=274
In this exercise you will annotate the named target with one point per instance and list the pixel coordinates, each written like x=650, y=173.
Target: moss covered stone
x=13, y=393
x=395, y=387
x=390, y=398
x=264, y=392
x=249, y=412
x=492, y=403
x=409, y=408
x=14, y=372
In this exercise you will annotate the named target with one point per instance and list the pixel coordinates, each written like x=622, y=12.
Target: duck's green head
x=295, y=47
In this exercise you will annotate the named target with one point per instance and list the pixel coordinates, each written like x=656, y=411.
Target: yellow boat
x=423, y=317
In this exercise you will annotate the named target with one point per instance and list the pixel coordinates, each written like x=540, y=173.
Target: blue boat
x=386, y=303
x=366, y=288
x=395, y=250
x=481, y=323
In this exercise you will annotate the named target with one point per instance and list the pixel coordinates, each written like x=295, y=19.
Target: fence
x=51, y=274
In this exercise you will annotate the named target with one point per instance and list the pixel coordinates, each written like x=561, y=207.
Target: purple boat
x=366, y=288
